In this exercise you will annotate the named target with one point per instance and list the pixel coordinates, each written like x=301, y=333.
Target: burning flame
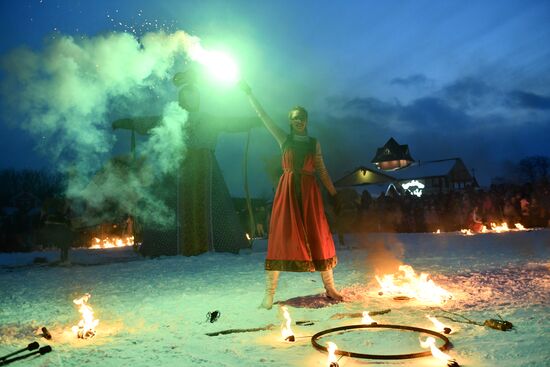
x=500, y=228
x=332, y=361
x=436, y=352
x=86, y=326
x=438, y=231
x=495, y=228
x=112, y=242
x=439, y=326
x=367, y=319
x=248, y=236
x=406, y=282
x=286, y=330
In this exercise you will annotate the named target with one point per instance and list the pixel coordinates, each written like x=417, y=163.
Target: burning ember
x=86, y=326
x=367, y=320
x=286, y=331
x=112, y=242
x=430, y=343
x=406, y=283
x=332, y=361
x=439, y=326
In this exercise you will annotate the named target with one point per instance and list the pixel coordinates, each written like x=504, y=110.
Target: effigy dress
x=299, y=235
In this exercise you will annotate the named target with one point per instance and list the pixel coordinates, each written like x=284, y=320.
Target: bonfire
x=110, y=242
x=406, y=283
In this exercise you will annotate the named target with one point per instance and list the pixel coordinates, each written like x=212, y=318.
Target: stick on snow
x=234, y=331
x=358, y=314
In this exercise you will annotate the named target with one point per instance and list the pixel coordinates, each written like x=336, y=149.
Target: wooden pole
x=251, y=221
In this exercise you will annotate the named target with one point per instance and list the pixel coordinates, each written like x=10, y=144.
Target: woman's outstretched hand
x=243, y=85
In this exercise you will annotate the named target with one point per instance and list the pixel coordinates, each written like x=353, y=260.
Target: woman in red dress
x=299, y=235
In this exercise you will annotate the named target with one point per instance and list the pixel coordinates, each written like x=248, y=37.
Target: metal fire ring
x=427, y=353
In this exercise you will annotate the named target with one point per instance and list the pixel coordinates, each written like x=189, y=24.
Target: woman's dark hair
x=301, y=111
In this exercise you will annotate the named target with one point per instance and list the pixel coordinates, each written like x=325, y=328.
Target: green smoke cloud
x=65, y=96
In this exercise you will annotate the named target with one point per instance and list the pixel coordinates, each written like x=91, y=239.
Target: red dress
x=299, y=235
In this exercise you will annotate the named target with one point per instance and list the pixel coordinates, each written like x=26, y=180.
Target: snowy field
x=152, y=312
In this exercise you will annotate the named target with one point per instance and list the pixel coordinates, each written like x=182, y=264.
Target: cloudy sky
x=466, y=79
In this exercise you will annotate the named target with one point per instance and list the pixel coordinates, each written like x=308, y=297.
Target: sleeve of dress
x=322, y=171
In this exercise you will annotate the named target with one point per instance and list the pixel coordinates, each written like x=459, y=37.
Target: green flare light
x=218, y=64
x=223, y=67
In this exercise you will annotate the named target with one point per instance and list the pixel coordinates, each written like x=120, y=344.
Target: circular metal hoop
x=427, y=353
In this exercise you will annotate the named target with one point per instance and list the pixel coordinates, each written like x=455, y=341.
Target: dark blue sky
x=453, y=78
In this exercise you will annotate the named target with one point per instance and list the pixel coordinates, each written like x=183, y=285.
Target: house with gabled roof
x=394, y=168
x=392, y=156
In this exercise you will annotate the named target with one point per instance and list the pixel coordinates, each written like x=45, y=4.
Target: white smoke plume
x=67, y=94
x=167, y=141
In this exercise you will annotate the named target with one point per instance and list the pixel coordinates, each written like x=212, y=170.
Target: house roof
x=426, y=169
x=392, y=151
x=364, y=175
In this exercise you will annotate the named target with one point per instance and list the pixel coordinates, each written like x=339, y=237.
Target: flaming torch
x=332, y=361
x=86, y=326
x=286, y=331
x=430, y=343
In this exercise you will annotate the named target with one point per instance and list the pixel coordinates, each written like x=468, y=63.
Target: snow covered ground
x=152, y=312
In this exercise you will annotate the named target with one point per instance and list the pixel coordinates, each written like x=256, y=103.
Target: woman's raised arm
x=278, y=133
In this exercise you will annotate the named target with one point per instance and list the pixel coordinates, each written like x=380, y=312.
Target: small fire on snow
x=405, y=283
x=108, y=242
x=332, y=361
x=286, y=331
x=367, y=320
x=87, y=324
x=437, y=353
x=439, y=326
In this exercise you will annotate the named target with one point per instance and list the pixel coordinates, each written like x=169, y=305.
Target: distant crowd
x=351, y=212
x=472, y=208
